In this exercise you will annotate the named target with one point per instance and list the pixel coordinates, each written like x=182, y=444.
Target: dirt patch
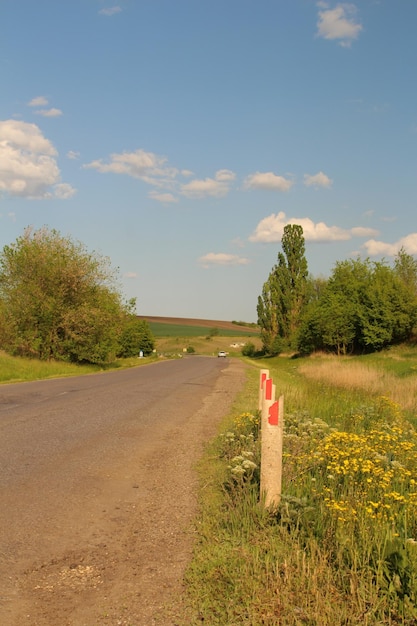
x=127, y=565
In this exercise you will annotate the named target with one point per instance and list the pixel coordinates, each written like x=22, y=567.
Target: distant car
x=222, y=353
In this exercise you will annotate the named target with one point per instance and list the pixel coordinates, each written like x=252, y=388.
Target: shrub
x=249, y=349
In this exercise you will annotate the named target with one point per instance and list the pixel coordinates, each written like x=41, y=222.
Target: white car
x=222, y=353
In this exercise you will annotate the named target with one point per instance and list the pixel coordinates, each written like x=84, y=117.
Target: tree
x=136, y=337
x=284, y=294
x=365, y=306
x=57, y=300
x=405, y=267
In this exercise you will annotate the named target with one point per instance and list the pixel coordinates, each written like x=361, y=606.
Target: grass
x=172, y=340
x=18, y=369
x=160, y=329
x=209, y=346
x=342, y=547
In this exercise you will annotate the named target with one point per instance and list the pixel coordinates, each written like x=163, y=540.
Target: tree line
x=60, y=301
x=363, y=306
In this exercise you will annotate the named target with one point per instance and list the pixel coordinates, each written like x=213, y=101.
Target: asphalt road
x=66, y=449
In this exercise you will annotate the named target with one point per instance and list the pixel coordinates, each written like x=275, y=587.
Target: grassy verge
x=342, y=547
x=18, y=369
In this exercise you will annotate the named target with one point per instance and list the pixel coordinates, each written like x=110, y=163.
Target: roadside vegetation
x=342, y=547
x=362, y=307
x=60, y=302
x=19, y=369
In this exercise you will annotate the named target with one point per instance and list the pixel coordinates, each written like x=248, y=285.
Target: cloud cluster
x=317, y=180
x=216, y=187
x=53, y=112
x=28, y=166
x=270, y=230
x=268, y=181
x=221, y=258
x=338, y=23
x=41, y=101
x=146, y=166
x=154, y=170
x=379, y=248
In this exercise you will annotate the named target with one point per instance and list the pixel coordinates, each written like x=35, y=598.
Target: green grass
x=18, y=369
x=160, y=329
x=341, y=549
x=401, y=361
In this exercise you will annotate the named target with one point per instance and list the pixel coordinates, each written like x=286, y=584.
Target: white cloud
x=338, y=23
x=361, y=231
x=225, y=176
x=317, y=180
x=221, y=258
x=28, y=166
x=166, y=198
x=130, y=275
x=110, y=11
x=216, y=187
x=377, y=248
x=72, y=154
x=39, y=101
x=153, y=170
x=49, y=112
x=146, y=166
x=63, y=191
x=271, y=228
x=268, y=181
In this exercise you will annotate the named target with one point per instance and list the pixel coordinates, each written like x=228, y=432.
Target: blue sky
x=179, y=137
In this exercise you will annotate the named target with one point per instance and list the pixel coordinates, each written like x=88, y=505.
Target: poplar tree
x=284, y=294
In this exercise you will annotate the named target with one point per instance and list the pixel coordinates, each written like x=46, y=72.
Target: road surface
x=97, y=491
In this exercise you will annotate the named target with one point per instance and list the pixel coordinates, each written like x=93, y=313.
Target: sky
x=179, y=137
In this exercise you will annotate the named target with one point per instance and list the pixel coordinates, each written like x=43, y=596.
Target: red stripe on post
x=273, y=414
x=263, y=379
x=268, y=389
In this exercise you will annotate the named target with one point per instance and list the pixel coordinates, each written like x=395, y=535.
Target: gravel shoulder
x=128, y=552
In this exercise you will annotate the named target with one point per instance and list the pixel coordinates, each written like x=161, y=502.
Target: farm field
x=200, y=336
x=194, y=327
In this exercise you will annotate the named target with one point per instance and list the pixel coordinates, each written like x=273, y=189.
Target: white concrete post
x=264, y=374
x=272, y=429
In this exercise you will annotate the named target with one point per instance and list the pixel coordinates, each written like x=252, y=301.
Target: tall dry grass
x=351, y=375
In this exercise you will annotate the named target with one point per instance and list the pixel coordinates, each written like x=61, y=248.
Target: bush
x=136, y=337
x=249, y=349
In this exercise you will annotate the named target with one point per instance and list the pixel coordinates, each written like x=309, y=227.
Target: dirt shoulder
x=127, y=567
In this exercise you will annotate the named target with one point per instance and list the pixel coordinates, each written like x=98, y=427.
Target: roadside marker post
x=264, y=374
x=272, y=431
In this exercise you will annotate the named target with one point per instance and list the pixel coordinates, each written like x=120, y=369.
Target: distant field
x=192, y=327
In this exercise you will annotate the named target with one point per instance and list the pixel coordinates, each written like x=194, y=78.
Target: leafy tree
x=57, y=300
x=405, y=267
x=136, y=337
x=364, y=307
x=285, y=293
